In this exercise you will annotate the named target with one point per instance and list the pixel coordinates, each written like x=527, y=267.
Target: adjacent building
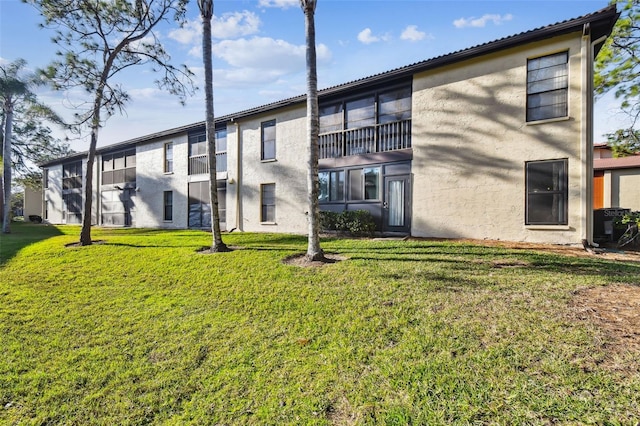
x=494, y=141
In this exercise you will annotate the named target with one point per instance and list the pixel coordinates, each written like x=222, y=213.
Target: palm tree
x=314, y=252
x=206, y=13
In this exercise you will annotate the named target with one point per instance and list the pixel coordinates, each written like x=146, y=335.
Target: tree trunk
x=314, y=252
x=217, y=245
x=6, y=162
x=85, y=233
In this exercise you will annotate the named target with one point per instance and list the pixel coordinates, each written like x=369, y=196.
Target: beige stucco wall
x=32, y=202
x=471, y=141
x=622, y=188
x=287, y=171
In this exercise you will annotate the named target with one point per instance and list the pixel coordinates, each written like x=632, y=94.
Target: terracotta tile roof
x=617, y=163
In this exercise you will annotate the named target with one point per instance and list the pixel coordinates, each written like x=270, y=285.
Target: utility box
x=603, y=229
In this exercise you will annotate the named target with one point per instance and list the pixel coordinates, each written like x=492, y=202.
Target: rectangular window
x=168, y=206
x=46, y=209
x=331, y=118
x=364, y=184
x=547, y=194
x=119, y=167
x=331, y=186
x=268, y=202
x=268, y=140
x=361, y=112
x=394, y=105
x=168, y=157
x=72, y=175
x=198, y=162
x=547, y=87
x=45, y=178
x=73, y=207
x=221, y=150
x=199, y=205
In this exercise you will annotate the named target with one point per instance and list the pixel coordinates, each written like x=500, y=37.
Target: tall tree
x=618, y=66
x=19, y=101
x=206, y=13
x=98, y=39
x=314, y=251
x=624, y=142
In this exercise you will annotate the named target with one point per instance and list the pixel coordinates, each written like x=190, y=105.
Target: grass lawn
x=143, y=329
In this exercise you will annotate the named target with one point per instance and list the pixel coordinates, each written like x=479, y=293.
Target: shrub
x=621, y=222
x=328, y=221
x=355, y=222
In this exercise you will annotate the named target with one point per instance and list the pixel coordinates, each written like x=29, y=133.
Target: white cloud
x=482, y=22
x=145, y=93
x=259, y=52
x=229, y=25
x=284, y=4
x=411, y=33
x=189, y=33
x=236, y=24
x=366, y=36
x=261, y=60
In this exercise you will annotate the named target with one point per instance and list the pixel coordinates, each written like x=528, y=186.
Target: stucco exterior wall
x=471, y=141
x=152, y=182
x=32, y=203
x=287, y=171
x=624, y=189
x=53, y=195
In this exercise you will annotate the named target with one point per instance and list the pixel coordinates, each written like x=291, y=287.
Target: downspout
x=238, y=176
x=588, y=48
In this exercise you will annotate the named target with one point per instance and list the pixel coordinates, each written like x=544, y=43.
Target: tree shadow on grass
x=23, y=235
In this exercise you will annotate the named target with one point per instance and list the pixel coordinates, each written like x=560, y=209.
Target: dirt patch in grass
x=605, y=253
x=301, y=260
x=615, y=310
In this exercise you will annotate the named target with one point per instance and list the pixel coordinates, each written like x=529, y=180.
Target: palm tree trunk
x=6, y=162
x=206, y=12
x=314, y=252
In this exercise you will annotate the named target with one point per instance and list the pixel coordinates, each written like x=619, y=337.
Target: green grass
x=143, y=329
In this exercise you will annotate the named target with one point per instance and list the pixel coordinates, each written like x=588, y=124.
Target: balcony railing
x=378, y=138
x=199, y=164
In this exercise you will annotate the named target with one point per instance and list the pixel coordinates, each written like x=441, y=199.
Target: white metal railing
x=199, y=164
x=379, y=138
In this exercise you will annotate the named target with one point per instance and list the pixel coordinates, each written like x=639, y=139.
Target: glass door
x=397, y=204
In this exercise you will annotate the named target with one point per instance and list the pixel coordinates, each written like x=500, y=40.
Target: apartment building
x=493, y=141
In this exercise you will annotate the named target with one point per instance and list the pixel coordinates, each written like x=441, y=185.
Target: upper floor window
x=119, y=167
x=198, y=161
x=547, y=87
x=377, y=108
x=394, y=105
x=360, y=112
x=268, y=139
x=546, y=191
x=168, y=157
x=72, y=175
x=45, y=178
x=221, y=150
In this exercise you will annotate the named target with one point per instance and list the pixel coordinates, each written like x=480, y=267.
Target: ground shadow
x=23, y=235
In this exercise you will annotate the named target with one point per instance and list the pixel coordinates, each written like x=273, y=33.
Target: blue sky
x=259, y=51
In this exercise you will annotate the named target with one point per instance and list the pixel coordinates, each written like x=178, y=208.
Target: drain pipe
x=588, y=56
x=239, y=226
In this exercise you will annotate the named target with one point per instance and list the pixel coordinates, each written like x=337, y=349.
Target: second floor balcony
x=199, y=164
x=378, y=138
